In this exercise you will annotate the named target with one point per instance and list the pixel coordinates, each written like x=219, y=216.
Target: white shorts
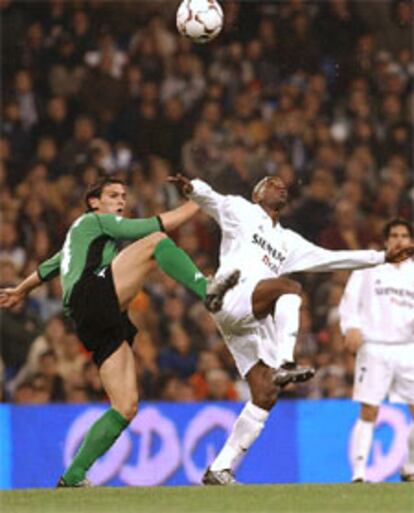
x=384, y=371
x=248, y=339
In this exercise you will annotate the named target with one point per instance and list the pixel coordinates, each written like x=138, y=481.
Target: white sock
x=408, y=467
x=363, y=433
x=246, y=429
x=287, y=325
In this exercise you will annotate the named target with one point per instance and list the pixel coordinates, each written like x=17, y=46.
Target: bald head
x=270, y=193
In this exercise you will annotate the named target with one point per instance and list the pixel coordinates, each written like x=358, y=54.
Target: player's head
x=398, y=233
x=270, y=192
x=106, y=196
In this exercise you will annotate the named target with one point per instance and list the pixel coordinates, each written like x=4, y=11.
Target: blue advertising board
x=172, y=444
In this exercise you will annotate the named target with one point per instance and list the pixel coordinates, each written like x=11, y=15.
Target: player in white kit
x=377, y=319
x=260, y=316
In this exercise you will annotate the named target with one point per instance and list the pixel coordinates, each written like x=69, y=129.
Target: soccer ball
x=199, y=20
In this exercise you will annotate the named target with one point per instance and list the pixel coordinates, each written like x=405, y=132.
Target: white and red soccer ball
x=200, y=20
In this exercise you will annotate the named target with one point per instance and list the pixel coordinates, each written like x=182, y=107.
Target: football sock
x=100, y=437
x=409, y=465
x=176, y=263
x=246, y=429
x=363, y=433
x=287, y=325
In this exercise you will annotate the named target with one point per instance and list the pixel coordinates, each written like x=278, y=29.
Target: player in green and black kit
x=98, y=285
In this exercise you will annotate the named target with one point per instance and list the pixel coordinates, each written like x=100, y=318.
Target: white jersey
x=380, y=302
x=250, y=242
x=260, y=250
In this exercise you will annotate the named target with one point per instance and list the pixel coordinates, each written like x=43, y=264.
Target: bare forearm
x=174, y=218
x=29, y=283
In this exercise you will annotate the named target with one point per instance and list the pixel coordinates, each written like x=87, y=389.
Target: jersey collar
x=265, y=216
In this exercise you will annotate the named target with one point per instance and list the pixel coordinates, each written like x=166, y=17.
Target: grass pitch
x=345, y=498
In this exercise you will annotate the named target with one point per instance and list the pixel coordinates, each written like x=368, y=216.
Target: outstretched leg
x=131, y=266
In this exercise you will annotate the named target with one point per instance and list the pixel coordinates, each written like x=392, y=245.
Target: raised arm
x=128, y=229
x=134, y=229
x=200, y=192
x=306, y=256
x=174, y=218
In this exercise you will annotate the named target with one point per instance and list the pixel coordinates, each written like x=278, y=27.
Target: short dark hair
x=398, y=221
x=95, y=190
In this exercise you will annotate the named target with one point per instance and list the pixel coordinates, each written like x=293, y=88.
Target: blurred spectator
x=8, y=272
x=220, y=386
x=314, y=210
x=82, y=33
x=345, y=231
x=38, y=388
x=184, y=82
x=56, y=123
x=76, y=150
x=107, y=56
x=71, y=358
x=49, y=340
x=26, y=99
x=17, y=141
x=9, y=246
x=66, y=72
x=171, y=388
x=50, y=303
x=24, y=393
x=299, y=47
x=101, y=94
x=146, y=354
x=201, y=155
x=173, y=130
x=54, y=381
x=93, y=386
x=337, y=26
x=47, y=154
x=207, y=361
x=178, y=357
x=18, y=328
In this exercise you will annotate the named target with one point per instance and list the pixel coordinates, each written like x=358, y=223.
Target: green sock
x=100, y=437
x=176, y=263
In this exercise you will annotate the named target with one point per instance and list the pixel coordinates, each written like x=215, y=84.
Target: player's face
x=112, y=200
x=274, y=193
x=399, y=237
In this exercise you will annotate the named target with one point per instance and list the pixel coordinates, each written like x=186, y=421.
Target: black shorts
x=100, y=324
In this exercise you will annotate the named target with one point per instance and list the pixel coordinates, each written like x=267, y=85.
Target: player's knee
x=156, y=237
x=152, y=241
x=128, y=409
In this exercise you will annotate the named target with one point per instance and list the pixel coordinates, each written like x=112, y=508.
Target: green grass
x=345, y=498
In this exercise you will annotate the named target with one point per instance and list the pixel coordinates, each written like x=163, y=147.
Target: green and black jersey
x=90, y=245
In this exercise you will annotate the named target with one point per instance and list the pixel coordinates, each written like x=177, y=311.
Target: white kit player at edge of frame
x=259, y=319
x=377, y=320
x=199, y=20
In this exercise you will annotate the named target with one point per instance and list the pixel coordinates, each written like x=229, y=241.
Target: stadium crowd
x=318, y=93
